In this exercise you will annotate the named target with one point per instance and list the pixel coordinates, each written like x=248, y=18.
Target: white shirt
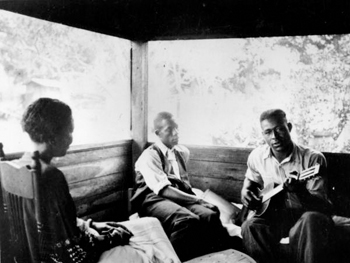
x=264, y=168
x=150, y=166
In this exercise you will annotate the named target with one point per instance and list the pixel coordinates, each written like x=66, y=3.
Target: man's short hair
x=157, y=123
x=273, y=114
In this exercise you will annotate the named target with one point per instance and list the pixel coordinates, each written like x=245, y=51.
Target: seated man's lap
x=169, y=213
x=182, y=226
x=204, y=213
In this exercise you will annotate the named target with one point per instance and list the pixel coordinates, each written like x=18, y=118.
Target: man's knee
x=314, y=218
x=315, y=225
x=183, y=227
x=210, y=217
x=249, y=225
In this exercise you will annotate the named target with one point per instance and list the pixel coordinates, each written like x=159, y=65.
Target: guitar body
x=264, y=205
x=262, y=209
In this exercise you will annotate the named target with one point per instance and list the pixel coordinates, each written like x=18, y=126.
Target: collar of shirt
x=291, y=157
x=169, y=153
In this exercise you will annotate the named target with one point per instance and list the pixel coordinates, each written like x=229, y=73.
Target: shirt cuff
x=82, y=224
x=253, y=178
x=159, y=186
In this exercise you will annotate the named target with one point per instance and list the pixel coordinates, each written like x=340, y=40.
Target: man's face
x=168, y=133
x=276, y=132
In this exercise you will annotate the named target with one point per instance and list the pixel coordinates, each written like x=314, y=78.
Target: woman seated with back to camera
x=67, y=238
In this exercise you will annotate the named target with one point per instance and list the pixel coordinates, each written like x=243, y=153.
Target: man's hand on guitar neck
x=293, y=185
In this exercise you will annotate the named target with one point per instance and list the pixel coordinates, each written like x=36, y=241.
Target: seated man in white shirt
x=163, y=190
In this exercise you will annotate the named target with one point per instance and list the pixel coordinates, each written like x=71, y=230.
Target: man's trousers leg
x=310, y=238
x=216, y=235
x=260, y=240
x=181, y=225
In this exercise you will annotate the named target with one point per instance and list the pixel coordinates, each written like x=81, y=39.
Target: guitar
x=270, y=191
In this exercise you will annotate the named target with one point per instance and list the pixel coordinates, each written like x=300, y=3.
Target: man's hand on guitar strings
x=250, y=199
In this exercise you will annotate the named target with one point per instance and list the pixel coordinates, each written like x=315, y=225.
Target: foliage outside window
x=218, y=88
x=88, y=71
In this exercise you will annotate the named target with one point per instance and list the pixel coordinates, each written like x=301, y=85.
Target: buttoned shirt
x=150, y=166
x=170, y=154
x=263, y=167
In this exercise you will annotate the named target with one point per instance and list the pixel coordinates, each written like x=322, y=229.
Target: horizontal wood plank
x=101, y=202
x=219, y=154
x=230, y=190
x=73, y=158
x=220, y=169
x=113, y=213
x=217, y=170
x=99, y=185
x=98, y=179
x=87, y=171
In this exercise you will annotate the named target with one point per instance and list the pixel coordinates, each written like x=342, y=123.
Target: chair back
x=3, y=226
x=20, y=183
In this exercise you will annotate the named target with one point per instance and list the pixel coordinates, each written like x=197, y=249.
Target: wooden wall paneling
x=220, y=169
x=105, y=203
x=100, y=185
x=139, y=96
x=225, y=171
x=112, y=213
x=230, y=190
x=339, y=181
x=219, y=153
x=93, y=154
x=98, y=179
x=96, y=169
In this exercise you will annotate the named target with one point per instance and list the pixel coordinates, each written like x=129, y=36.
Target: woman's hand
x=116, y=236
x=102, y=227
x=119, y=236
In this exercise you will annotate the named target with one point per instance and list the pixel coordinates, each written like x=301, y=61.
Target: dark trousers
x=309, y=238
x=193, y=230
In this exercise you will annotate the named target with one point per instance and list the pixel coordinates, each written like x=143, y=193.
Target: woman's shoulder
x=54, y=177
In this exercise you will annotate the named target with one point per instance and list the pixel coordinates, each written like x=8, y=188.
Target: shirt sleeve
x=150, y=166
x=252, y=172
x=318, y=185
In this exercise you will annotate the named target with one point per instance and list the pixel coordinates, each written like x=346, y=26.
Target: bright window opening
x=88, y=71
x=218, y=88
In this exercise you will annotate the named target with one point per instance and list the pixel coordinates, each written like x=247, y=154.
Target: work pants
x=309, y=238
x=193, y=230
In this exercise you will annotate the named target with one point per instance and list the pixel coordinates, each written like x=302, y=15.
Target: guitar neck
x=272, y=193
x=306, y=174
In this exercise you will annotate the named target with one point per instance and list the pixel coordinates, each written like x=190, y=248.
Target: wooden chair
x=18, y=184
x=3, y=225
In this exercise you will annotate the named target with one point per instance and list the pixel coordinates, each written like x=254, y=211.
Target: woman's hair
x=45, y=118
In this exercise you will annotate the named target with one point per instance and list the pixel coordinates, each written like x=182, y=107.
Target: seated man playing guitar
x=300, y=211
